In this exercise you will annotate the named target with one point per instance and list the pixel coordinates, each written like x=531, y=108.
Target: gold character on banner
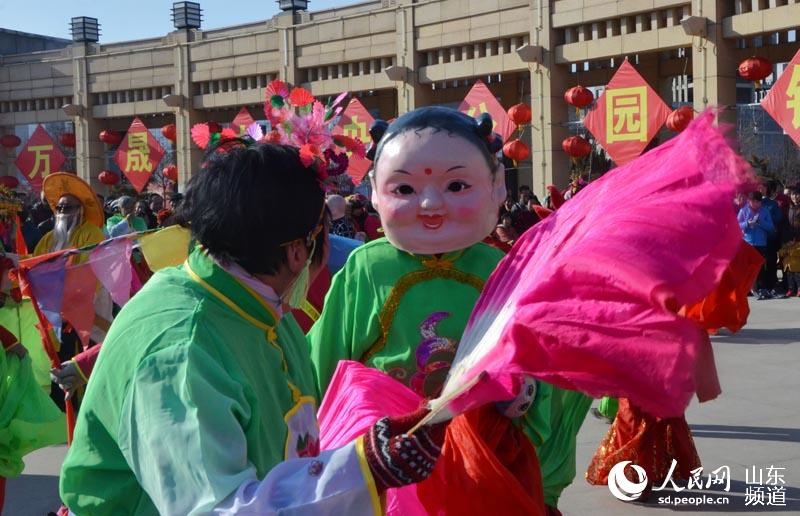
x=138, y=153
x=626, y=114
x=355, y=129
x=41, y=161
x=793, y=92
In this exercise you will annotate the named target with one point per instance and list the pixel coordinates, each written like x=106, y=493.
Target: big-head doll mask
x=436, y=183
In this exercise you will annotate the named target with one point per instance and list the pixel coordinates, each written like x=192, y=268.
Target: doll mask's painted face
x=435, y=193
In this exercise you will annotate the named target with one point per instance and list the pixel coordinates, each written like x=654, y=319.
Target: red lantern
x=576, y=147
x=516, y=150
x=169, y=132
x=214, y=127
x=67, y=140
x=108, y=178
x=679, y=119
x=755, y=69
x=112, y=138
x=171, y=173
x=579, y=97
x=9, y=141
x=520, y=114
x=9, y=182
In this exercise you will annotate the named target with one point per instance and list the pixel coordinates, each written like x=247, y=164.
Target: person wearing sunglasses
x=203, y=399
x=78, y=215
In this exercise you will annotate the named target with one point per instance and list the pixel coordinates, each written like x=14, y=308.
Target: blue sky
x=122, y=20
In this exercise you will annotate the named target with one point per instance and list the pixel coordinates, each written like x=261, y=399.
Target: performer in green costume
x=401, y=303
x=203, y=398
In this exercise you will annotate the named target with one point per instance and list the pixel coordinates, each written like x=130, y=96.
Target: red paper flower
x=309, y=153
x=351, y=144
x=201, y=135
x=300, y=97
x=277, y=87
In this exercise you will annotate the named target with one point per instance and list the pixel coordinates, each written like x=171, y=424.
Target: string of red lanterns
x=169, y=132
x=9, y=141
x=579, y=97
x=111, y=138
x=9, y=182
x=680, y=119
x=108, y=178
x=516, y=149
x=67, y=140
x=755, y=69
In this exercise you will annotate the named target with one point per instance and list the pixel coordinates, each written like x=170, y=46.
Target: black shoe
x=775, y=295
x=762, y=295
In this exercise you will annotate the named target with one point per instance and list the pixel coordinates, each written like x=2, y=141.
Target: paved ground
x=756, y=422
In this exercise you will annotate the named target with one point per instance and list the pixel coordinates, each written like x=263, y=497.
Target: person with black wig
x=203, y=398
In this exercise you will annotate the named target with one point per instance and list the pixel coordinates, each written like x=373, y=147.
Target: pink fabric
x=588, y=298
x=111, y=263
x=351, y=406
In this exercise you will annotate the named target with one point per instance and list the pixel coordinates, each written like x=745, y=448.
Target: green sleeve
x=183, y=407
x=348, y=325
x=536, y=422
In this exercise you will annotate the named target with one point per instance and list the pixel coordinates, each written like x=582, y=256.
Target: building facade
x=434, y=50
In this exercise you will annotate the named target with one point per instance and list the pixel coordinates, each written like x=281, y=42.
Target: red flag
x=19, y=240
x=627, y=115
x=77, y=306
x=783, y=100
x=480, y=100
x=242, y=121
x=355, y=123
x=40, y=158
x=139, y=155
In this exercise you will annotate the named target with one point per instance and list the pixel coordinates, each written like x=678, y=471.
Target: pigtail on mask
x=376, y=132
x=492, y=140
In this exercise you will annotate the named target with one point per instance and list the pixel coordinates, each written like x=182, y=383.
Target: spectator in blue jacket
x=768, y=189
x=756, y=223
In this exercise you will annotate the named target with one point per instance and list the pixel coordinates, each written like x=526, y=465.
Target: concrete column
x=411, y=93
x=286, y=47
x=89, y=150
x=548, y=82
x=187, y=156
x=714, y=77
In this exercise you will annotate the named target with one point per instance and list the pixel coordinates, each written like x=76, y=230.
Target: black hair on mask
x=455, y=123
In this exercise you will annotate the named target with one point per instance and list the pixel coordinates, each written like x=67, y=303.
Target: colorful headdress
x=295, y=118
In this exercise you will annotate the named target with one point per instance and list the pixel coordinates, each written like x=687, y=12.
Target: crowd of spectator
x=124, y=214
x=770, y=221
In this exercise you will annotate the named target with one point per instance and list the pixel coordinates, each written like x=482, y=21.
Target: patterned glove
x=397, y=459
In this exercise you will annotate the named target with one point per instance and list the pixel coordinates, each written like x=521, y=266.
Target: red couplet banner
x=355, y=123
x=139, y=155
x=627, y=115
x=480, y=100
x=783, y=100
x=40, y=158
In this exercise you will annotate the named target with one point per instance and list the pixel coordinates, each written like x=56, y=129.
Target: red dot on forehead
x=428, y=171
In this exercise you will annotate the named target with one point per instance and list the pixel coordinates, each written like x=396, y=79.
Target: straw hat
x=60, y=184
